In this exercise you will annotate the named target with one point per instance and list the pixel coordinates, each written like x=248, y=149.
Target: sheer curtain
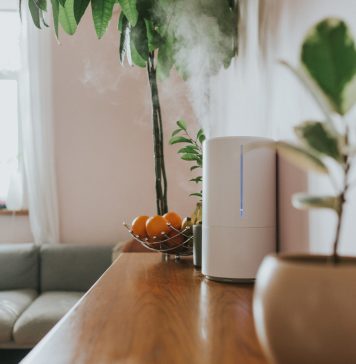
x=257, y=96
x=37, y=137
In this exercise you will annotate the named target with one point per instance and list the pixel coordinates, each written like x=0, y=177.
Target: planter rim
x=313, y=259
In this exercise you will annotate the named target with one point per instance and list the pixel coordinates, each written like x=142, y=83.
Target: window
x=10, y=66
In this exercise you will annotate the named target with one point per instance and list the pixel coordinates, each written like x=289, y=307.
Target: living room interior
x=176, y=181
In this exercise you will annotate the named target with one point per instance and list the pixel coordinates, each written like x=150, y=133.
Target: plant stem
x=340, y=213
x=160, y=171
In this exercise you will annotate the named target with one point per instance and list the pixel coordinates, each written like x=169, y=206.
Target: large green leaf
x=35, y=13
x=302, y=158
x=129, y=7
x=319, y=138
x=66, y=17
x=165, y=59
x=55, y=14
x=139, y=40
x=304, y=201
x=102, y=14
x=329, y=55
x=79, y=9
x=153, y=37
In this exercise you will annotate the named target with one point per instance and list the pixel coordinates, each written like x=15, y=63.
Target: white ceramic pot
x=305, y=309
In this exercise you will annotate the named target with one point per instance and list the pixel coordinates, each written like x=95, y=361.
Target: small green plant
x=328, y=70
x=192, y=152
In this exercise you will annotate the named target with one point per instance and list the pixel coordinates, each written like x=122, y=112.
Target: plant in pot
x=192, y=152
x=304, y=306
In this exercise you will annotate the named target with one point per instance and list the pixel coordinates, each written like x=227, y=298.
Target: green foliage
x=329, y=55
x=79, y=9
x=192, y=151
x=102, y=14
x=129, y=8
x=304, y=201
x=302, y=157
x=316, y=136
x=66, y=17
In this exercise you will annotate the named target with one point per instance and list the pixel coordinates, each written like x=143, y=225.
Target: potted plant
x=192, y=152
x=150, y=38
x=304, y=305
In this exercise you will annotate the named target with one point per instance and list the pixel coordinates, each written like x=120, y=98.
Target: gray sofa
x=38, y=285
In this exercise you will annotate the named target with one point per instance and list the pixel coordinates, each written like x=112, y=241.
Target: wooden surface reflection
x=145, y=310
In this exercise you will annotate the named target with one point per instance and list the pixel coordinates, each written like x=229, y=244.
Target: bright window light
x=10, y=62
x=10, y=27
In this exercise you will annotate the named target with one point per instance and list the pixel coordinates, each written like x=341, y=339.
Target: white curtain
x=257, y=96
x=37, y=137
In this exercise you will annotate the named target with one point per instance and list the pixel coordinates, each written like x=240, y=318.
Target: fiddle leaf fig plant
x=154, y=34
x=328, y=70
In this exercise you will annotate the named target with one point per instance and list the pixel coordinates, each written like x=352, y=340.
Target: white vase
x=305, y=309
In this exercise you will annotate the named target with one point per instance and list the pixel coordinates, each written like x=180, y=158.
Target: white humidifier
x=239, y=207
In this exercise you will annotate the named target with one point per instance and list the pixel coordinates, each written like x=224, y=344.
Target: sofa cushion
x=12, y=304
x=45, y=311
x=18, y=266
x=72, y=267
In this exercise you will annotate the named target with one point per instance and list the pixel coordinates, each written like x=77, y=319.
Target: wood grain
x=145, y=310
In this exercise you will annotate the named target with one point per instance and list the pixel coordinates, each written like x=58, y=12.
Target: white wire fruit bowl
x=168, y=244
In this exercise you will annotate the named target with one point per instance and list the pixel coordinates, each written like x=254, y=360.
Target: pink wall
x=103, y=142
x=104, y=139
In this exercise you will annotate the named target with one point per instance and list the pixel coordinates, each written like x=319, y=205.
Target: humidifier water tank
x=239, y=206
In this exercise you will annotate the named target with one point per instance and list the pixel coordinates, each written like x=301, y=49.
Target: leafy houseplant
x=149, y=38
x=192, y=152
x=315, y=293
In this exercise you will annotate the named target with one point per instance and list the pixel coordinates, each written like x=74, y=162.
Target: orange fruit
x=174, y=219
x=138, y=226
x=156, y=225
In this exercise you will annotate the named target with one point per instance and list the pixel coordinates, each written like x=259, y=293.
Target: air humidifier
x=239, y=213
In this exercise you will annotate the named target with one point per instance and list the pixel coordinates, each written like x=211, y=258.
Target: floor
x=12, y=356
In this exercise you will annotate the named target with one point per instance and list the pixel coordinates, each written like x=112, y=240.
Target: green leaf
x=165, y=59
x=189, y=149
x=62, y=2
x=66, y=17
x=136, y=57
x=194, y=167
x=198, y=194
x=154, y=38
x=139, y=40
x=329, y=55
x=182, y=124
x=316, y=136
x=177, y=131
x=302, y=158
x=190, y=157
x=179, y=139
x=35, y=13
x=304, y=201
x=102, y=14
x=200, y=135
x=55, y=14
x=129, y=7
x=41, y=4
x=79, y=9
x=197, y=179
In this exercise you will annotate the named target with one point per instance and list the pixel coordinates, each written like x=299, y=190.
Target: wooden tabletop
x=146, y=310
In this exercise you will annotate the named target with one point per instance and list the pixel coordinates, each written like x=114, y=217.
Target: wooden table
x=149, y=311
